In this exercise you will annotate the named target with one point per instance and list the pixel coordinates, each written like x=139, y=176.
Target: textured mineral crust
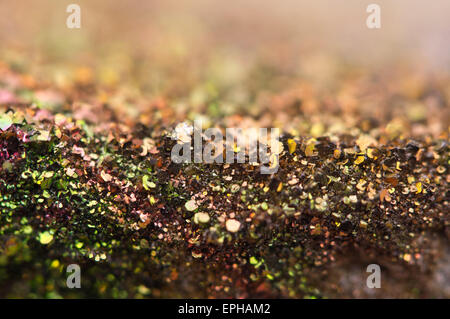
x=86, y=178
